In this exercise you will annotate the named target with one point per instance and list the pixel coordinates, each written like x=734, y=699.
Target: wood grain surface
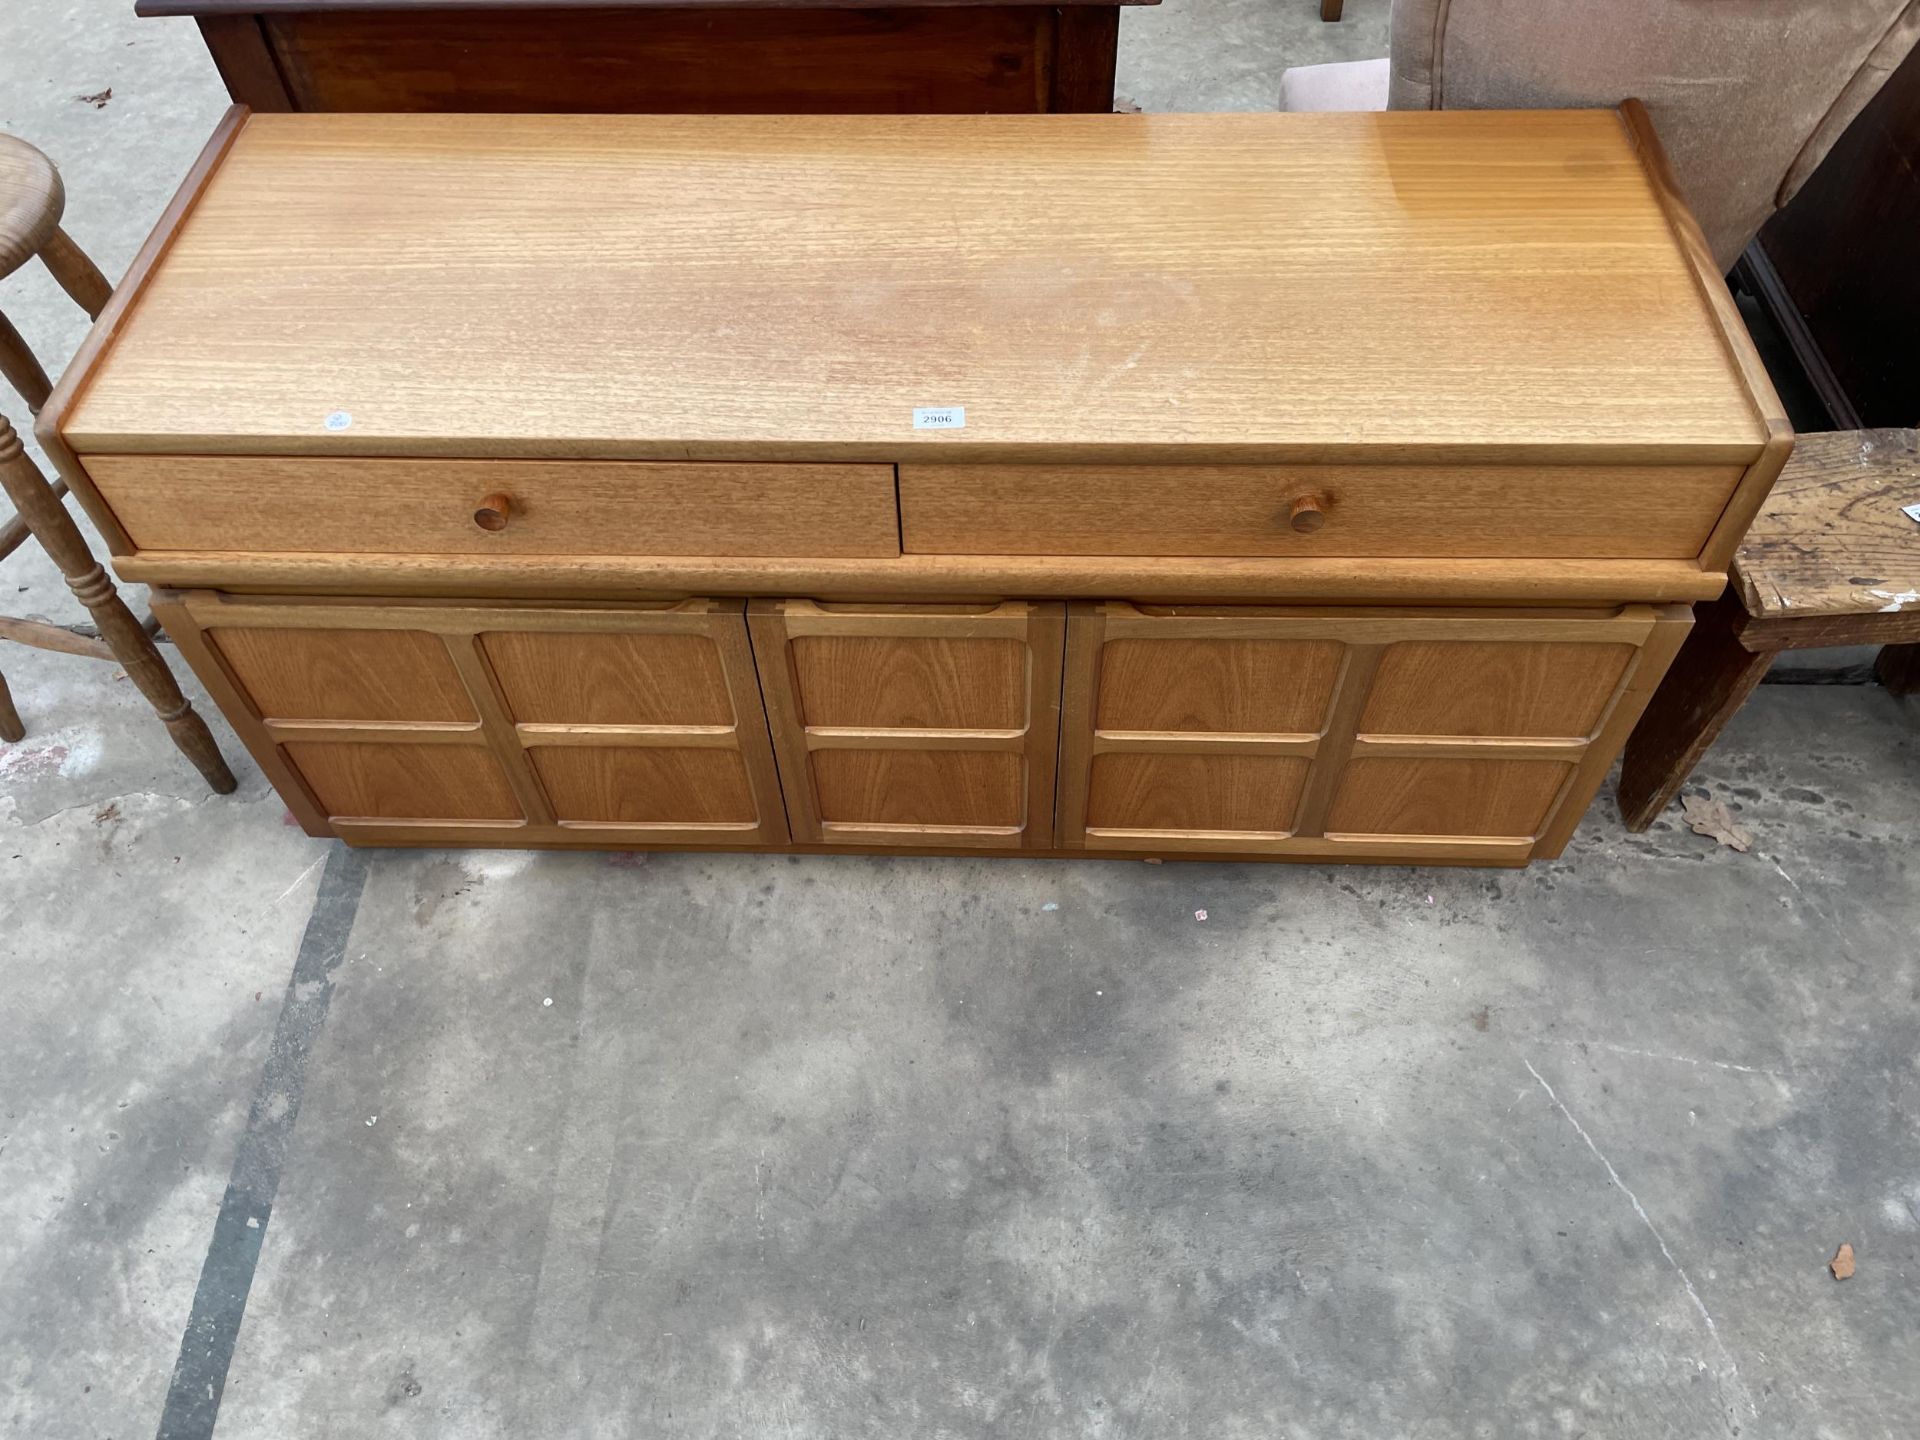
x=922, y=791
x=658, y=785
x=405, y=782
x=1832, y=537
x=609, y=679
x=639, y=722
x=1249, y=795
x=1591, y=511
x=1397, y=796
x=1218, y=729
x=919, y=724
x=1461, y=285
x=262, y=503
x=31, y=202
x=1213, y=686
x=1498, y=689
x=930, y=577
x=912, y=682
x=769, y=60
x=375, y=675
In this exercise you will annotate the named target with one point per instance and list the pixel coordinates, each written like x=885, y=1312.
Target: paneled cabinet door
x=406, y=721
x=1347, y=733
x=902, y=725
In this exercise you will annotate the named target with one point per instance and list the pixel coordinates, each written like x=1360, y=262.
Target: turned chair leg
x=10, y=726
x=1707, y=683
x=78, y=275
x=40, y=507
x=21, y=368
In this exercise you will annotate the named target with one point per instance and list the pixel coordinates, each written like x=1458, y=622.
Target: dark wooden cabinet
x=689, y=57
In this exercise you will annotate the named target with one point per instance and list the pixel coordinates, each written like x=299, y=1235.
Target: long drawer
x=455, y=507
x=1448, y=511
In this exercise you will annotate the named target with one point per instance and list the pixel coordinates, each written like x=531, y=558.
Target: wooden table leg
x=1898, y=668
x=1330, y=9
x=10, y=726
x=53, y=527
x=1709, y=680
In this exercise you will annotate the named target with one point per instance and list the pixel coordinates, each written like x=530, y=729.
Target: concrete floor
x=673, y=1146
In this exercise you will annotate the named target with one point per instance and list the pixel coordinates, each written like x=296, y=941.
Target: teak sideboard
x=1261, y=486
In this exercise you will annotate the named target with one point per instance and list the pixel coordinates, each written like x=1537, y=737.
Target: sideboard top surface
x=1085, y=287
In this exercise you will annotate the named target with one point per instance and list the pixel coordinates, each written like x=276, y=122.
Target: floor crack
x=1734, y=1382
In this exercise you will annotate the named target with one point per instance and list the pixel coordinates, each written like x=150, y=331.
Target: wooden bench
x=1832, y=559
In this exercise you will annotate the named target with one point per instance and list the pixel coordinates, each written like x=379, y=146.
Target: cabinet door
x=421, y=722
x=903, y=725
x=1475, y=735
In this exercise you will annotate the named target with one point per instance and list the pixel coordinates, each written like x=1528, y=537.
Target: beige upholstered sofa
x=1747, y=95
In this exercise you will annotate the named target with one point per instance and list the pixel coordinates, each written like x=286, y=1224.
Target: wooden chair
x=1833, y=559
x=31, y=201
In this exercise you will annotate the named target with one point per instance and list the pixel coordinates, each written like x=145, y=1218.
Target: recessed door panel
x=1496, y=688
x=610, y=678
x=1156, y=792
x=422, y=721
x=405, y=782
x=1368, y=732
x=657, y=785
x=903, y=725
x=1482, y=798
x=345, y=674
x=1218, y=686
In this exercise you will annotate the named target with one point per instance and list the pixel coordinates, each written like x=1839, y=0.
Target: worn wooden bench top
x=1835, y=537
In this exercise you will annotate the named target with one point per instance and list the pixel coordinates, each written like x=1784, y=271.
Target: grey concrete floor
x=849, y=1147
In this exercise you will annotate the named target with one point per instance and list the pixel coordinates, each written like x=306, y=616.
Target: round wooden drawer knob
x=493, y=513
x=1308, y=514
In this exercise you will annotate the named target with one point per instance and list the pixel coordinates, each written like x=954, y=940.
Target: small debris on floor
x=1842, y=1263
x=1199, y=914
x=1124, y=106
x=98, y=100
x=1711, y=818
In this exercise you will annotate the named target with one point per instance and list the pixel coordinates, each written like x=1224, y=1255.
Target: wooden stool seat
x=1832, y=559
x=31, y=202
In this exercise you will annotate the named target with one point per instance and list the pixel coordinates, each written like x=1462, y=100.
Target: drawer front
x=1451, y=511
x=553, y=507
